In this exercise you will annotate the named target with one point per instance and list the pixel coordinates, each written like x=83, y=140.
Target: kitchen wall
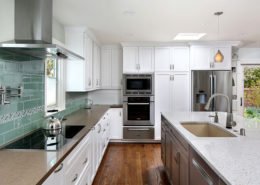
x=26, y=114
x=23, y=114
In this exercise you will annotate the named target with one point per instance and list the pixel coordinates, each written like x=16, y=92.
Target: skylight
x=189, y=36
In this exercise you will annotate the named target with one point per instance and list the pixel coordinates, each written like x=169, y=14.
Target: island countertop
x=30, y=167
x=236, y=159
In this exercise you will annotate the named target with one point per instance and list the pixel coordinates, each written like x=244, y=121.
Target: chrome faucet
x=229, y=120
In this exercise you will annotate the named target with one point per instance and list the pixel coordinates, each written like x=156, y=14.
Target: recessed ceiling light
x=129, y=12
x=189, y=36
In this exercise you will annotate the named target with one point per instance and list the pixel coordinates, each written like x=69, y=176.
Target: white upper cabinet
x=172, y=59
x=146, y=59
x=202, y=58
x=89, y=61
x=180, y=59
x=116, y=68
x=111, y=67
x=96, y=67
x=138, y=59
x=75, y=40
x=79, y=72
x=163, y=59
x=130, y=58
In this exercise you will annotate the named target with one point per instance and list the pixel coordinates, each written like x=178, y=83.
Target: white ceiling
x=114, y=21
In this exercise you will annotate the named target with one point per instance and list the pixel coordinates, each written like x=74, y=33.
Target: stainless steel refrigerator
x=206, y=83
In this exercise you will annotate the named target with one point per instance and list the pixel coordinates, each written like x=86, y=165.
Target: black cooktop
x=38, y=140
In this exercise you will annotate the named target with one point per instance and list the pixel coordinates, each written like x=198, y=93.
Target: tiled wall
x=25, y=114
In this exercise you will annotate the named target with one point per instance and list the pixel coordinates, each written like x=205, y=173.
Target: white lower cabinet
x=116, y=123
x=81, y=165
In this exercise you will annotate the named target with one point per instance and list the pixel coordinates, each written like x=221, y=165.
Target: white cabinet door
x=96, y=66
x=74, y=40
x=56, y=177
x=181, y=59
x=111, y=68
x=106, y=62
x=162, y=99
x=76, y=82
x=130, y=58
x=116, y=69
x=146, y=59
x=116, y=123
x=163, y=59
x=227, y=53
x=89, y=61
x=201, y=57
x=180, y=96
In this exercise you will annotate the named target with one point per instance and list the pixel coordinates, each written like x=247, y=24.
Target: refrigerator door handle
x=211, y=84
x=214, y=84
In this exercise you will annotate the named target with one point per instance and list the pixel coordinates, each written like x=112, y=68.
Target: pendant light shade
x=219, y=57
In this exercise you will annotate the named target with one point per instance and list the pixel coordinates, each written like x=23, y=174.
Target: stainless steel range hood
x=33, y=31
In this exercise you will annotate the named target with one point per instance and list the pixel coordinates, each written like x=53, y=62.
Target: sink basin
x=204, y=129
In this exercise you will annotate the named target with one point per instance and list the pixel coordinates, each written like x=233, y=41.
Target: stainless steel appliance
x=207, y=83
x=33, y=31
x=138, y=106
x=138, y=84
x=138, y=110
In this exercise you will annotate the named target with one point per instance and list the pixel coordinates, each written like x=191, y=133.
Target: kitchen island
x=235, y=160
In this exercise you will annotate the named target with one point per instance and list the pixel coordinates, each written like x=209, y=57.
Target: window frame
x=60, y=87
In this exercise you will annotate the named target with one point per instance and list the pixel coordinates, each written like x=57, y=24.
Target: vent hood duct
x=33, y=31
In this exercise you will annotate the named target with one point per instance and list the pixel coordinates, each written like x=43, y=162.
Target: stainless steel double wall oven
x=138, y=104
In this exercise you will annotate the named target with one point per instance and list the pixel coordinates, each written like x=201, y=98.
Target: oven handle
x=138, y=129
x=138, y=103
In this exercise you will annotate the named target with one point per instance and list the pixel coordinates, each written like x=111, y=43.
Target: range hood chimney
x=33, y=31
x=33, y=21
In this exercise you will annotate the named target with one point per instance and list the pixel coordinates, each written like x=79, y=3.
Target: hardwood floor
x=132, y=164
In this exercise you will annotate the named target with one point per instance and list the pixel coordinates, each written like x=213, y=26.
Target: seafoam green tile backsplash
x=25, y=114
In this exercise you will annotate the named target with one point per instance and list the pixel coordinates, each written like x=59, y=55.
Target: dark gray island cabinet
x=182, y=163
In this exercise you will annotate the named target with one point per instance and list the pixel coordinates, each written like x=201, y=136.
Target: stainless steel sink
x=204, y=129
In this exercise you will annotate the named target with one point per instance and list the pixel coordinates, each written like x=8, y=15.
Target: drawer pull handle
x=203, y=173
x=59, y=169
x=138, y=129
x=99, y=128
x=86, y=160
x=75, y=178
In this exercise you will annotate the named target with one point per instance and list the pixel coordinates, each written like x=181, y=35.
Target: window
x=54, y=84
x=252, y=92
x=51, y=83
x=248, y=84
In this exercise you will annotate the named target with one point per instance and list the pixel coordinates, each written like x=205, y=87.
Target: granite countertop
x=30, y=167
x=236, y=159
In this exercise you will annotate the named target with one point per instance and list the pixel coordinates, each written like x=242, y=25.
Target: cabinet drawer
x=85, y=178
x=138, y=133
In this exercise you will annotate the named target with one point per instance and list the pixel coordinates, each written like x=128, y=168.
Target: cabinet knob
x=75, y=178
x=59, y=169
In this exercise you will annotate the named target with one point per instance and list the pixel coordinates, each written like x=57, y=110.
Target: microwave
x=138, y=84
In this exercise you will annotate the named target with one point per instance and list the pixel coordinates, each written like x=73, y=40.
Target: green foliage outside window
x=51, y=68
x=252, y=92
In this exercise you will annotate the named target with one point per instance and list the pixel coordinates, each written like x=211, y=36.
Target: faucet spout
x=229, y=120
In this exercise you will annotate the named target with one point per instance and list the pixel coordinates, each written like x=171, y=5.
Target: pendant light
x=219, y=57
